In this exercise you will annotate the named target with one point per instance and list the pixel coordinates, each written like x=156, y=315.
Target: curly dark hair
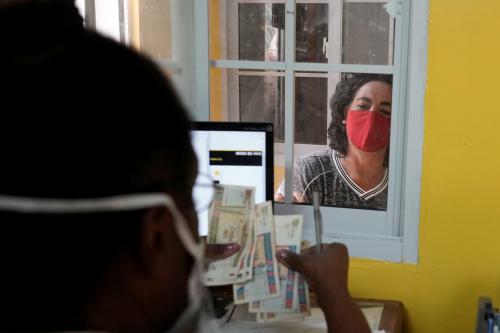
x=343, y=96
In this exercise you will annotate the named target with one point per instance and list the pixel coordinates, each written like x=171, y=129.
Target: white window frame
x=109, y=17
x=80, y=4
x=391, y=236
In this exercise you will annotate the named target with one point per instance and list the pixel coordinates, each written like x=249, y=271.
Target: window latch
x=394, y=8
x=325, y=47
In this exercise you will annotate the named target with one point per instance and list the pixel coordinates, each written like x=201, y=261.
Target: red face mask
x=368, y=130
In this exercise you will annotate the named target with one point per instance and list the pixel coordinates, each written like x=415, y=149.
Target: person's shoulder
x=322, y=156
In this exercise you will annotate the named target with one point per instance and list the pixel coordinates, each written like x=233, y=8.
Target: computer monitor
x=235, y=154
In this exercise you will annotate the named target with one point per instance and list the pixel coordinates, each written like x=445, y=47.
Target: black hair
x=83, y=117
x=344, y=94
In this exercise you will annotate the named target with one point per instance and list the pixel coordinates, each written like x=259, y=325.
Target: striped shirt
x=323, y=172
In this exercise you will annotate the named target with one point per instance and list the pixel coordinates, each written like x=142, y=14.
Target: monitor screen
x=235, y=154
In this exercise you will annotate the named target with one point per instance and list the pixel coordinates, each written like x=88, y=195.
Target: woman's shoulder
x=318, y=157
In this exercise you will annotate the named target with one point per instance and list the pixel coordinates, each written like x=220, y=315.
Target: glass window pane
x=311, y=109
x=155, y=28
x=162, y=29
x=251, y=96
x=262, y=100
x=311, y=33
x=248, y=96
x=247, y=31
x=260, y=36
x=366, y=34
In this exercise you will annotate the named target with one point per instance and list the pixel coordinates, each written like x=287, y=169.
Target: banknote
x=288, y=280
x=267, y=317
x=303, y=296
x=236, y=196
x=301, y=303
x=274, y=292
x=231, y=221
x=264, y=283
x=288, y=237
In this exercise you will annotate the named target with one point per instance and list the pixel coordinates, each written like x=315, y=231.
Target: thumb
x=291, y=260
x=220, y=251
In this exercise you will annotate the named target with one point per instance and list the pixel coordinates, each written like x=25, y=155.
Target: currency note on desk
x=267, y=317
x=264, y=283
x=288, y=236
x=231, y=220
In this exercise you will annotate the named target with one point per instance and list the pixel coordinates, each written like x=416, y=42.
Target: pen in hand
x=318, y=222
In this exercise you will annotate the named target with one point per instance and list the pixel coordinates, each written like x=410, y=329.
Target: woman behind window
x=352, y=172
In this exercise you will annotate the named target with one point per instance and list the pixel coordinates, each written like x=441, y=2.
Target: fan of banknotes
x=272, y=291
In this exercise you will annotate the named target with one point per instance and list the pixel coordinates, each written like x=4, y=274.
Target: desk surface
x=392, y=315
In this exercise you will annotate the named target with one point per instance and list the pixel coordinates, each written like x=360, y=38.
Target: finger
x=220, y=251
x=298, y=197
x=339, y=249
x=279, y=197
x=291, y=260
x=314, y=249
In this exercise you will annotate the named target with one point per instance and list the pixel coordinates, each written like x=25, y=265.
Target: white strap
x=98, y=205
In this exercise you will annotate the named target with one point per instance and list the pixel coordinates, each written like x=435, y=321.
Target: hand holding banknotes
x=214, y=252
x=268, y=273
x=326, y=274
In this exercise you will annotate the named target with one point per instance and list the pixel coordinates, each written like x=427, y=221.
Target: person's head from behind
x=92, y=120
x=361, y=110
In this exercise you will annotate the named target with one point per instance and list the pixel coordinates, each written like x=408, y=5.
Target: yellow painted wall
x=215, y=73
x=134, y=28
x=279, y=175
x=460, y=207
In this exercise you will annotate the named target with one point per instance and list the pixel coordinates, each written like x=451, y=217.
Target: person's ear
x=157, y=238
x=346, y=110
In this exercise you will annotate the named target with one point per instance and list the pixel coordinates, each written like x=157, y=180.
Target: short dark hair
x=344, y=94
x=85, y=117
